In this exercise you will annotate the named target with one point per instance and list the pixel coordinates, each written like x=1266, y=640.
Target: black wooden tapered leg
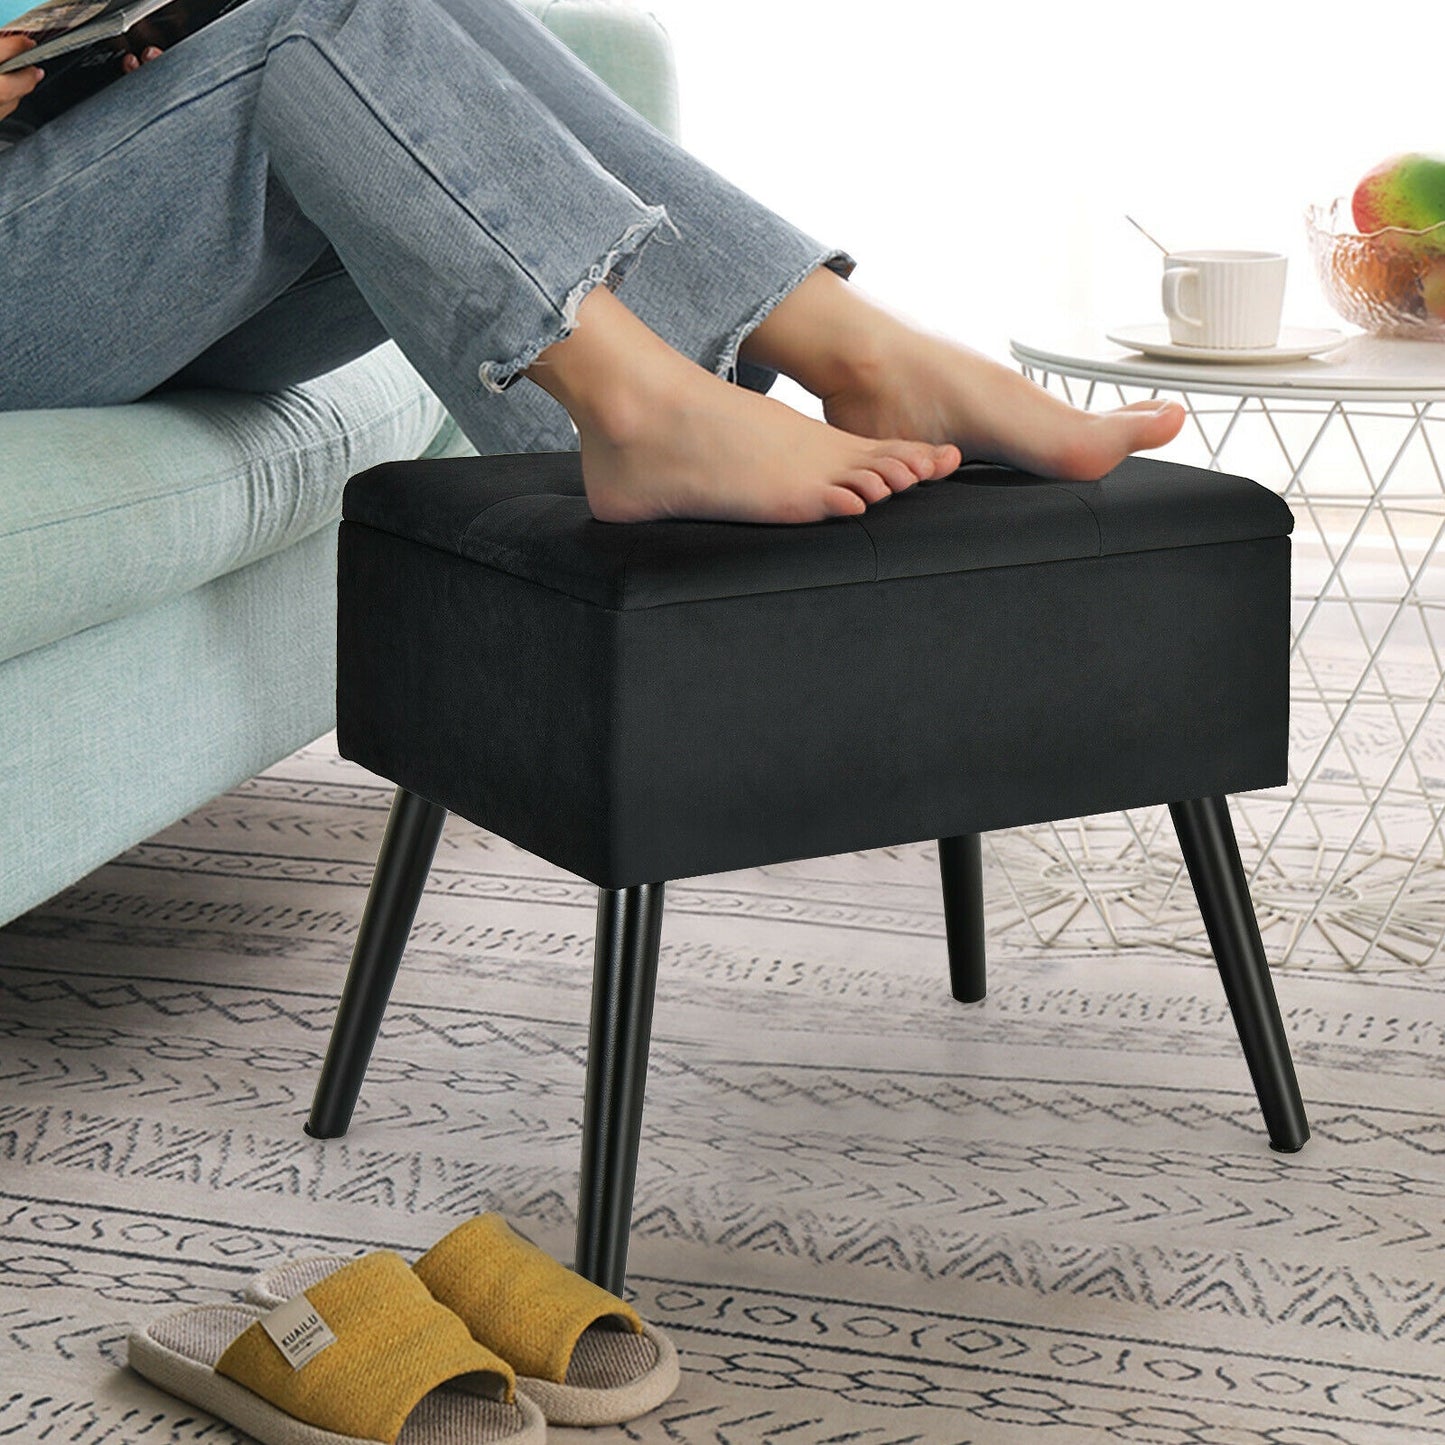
x=412, y=833
x=1211, y=853
x=629, y=929
x=960, y=861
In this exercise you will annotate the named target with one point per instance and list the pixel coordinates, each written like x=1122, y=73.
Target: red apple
x=1405, y=190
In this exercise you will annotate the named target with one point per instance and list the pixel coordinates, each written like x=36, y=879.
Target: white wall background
x=978, y=159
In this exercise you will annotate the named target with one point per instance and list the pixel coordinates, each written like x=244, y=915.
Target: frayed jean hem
x=839, y=262
x=497, y=376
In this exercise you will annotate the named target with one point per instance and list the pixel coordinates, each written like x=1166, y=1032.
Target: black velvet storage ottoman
x=643, y=703
x=637, y=703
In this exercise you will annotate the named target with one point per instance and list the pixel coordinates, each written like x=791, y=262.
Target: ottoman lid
x=528, y=515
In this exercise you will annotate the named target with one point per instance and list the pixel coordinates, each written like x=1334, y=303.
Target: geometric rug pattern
x=865, y=1213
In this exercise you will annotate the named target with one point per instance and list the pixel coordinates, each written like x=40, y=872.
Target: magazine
x=81, y=44
x=63, y=25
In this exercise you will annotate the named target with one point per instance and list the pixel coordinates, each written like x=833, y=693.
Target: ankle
x=609, y=372
x=824, y=335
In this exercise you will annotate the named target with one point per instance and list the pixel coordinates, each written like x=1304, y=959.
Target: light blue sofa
x=167, y=569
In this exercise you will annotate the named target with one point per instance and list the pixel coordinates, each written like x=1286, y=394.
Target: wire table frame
x=1346, y=862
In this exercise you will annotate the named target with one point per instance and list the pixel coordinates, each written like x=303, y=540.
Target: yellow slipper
x=582, y=1354
x=357, y=1358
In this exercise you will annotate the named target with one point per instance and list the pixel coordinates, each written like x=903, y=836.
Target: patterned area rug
x=865, y=1213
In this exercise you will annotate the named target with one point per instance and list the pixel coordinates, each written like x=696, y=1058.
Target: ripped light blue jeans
x=296, y=182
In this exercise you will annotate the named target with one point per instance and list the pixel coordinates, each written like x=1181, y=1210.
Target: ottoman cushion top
x=528, y=516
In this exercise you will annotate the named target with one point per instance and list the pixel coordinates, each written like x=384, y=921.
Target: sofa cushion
x=108, y=509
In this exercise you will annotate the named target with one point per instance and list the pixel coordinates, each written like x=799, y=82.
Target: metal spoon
x=1143, y=232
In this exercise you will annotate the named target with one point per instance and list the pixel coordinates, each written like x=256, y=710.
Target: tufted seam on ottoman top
x=527, y=516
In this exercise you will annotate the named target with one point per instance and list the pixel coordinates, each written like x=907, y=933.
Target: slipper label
x=298, y=1331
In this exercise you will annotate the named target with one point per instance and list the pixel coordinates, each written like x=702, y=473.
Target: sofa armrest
x=625, y=46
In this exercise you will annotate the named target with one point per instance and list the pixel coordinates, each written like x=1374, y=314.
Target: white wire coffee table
x=1347, y=861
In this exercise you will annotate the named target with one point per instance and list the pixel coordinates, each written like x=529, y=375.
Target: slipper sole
x=564, y=1404
x=178, y=1352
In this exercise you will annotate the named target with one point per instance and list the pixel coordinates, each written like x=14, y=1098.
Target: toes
x=895, y=471
x=928, y=461
x=920, y=458
x=867, y=484
x=947, y=459
x=842, y=500
x=1152, y=423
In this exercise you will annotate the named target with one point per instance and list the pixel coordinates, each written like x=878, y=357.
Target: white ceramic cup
x=1228, y=300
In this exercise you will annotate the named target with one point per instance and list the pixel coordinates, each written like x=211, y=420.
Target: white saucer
x=1294, y=344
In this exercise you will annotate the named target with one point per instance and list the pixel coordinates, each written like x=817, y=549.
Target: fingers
x=132, y=62
x=20, y=82
x=10, y=47
x=17, y=84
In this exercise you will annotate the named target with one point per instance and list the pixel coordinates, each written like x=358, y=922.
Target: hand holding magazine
x=81, y=44
x=59, y=26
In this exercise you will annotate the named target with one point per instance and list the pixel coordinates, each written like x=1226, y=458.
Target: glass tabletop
x=1370, y=366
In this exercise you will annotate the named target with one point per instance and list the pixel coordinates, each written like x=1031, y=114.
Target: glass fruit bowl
x=1389, y=282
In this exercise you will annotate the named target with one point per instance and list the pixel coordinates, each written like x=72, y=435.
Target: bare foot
x=877, y=376
x=662, y=437
x=937, y=390
x=710, y=450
